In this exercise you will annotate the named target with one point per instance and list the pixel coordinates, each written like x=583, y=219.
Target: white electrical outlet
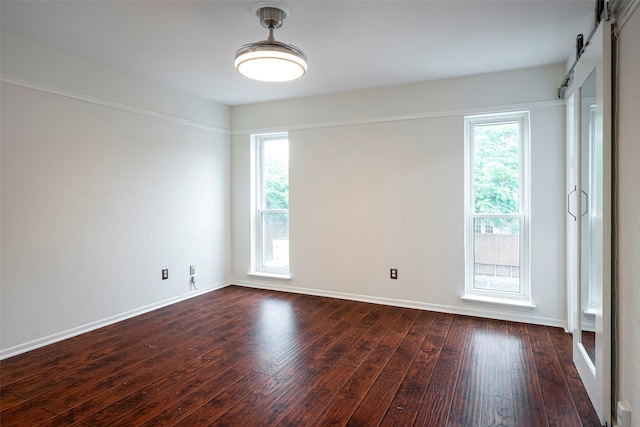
x=624, y=415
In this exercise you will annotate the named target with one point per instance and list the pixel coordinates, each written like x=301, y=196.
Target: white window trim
x=257, y=269
x=523, y=298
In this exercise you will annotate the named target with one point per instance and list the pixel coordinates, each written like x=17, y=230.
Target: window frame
x=523, y=215
x=259, y=206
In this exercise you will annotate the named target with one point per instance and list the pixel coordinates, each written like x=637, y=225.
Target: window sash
x=495, y=120
x=269, y=258
x=501, y=272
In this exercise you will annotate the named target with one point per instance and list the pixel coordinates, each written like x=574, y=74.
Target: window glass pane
x=496, y=168
x=276, y=174
x=497, y=254
x=275, y=239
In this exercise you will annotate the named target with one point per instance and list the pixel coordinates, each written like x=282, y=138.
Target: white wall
x=376, y=181
x=628, y=336
x=106, y=179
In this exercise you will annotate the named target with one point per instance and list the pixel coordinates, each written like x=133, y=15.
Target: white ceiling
x=351, y=45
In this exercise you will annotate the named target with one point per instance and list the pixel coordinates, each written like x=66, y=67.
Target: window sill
x=269, y=275
x=498, y=301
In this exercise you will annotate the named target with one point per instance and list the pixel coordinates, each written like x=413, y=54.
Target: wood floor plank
x=497, y=373
x=404, y=354
x=58, y=354
x=344, y=310
x=497, y=412
x=53, y=380
x=273, y=407
x=370, y=339
x=374, y=404
x=527, y=395
x=331, y=336
x=99, y=401
x=222, y=402
x=375, y=362
x=240, y=356
x=437, y=401
x=497, y=404
x=307, y=371
x=373, y=315
x=361, y=311
x=315, y=401
x=201, y=390
x=130, y=405
x=406, y=402
x=338, y=412
x=441, y=324
x=61, y=354
x=556, y=394
x=229, y=352
x=8, y=400
x=252, y=403
x=179, y=390
x=345, y=343
x=65, y=399
x=467, y=406
x=24, y=414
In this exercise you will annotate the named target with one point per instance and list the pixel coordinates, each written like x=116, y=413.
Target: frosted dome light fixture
x=270, y=60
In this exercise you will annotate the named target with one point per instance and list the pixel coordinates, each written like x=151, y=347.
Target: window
x=496, y=205
x=272, y=204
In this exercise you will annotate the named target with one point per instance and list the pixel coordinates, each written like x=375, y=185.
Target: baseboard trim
x=69, y=333
x=508, y=314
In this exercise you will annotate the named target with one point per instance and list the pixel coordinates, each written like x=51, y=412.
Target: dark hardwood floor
x=589, y=343
x=240, y=356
